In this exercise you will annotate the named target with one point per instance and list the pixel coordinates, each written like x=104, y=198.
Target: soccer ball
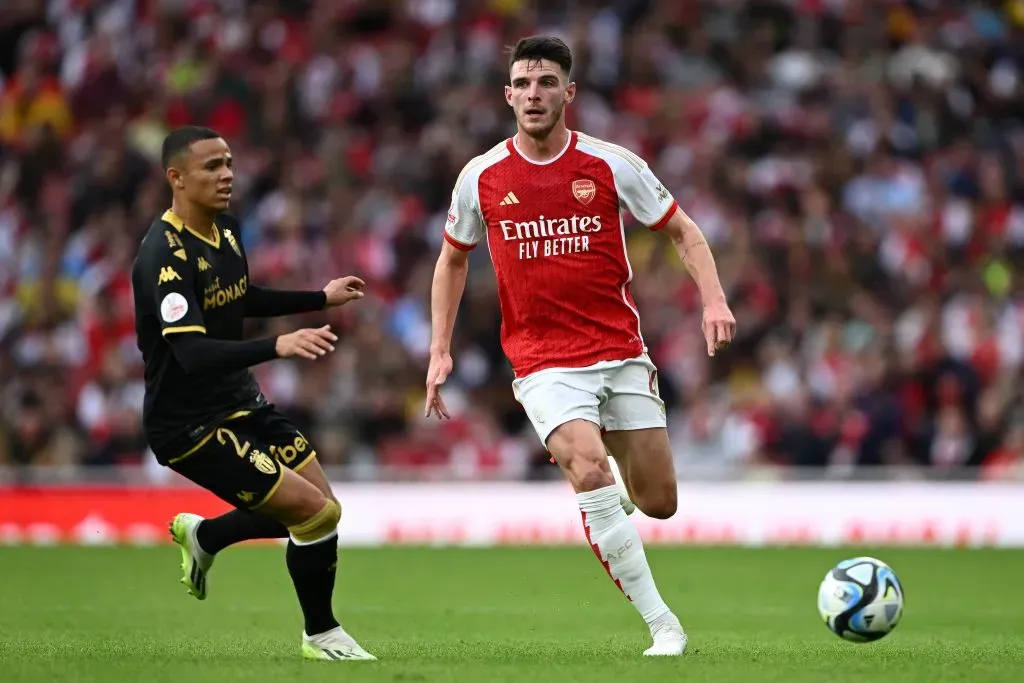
x=861, y=600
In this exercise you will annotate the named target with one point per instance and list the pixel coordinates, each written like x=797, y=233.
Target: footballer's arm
x=196, y=352
x=449, y=283
x=164, y=275
x=183, y=326
x=445, y=294
x=462, y=231
x=718, y=322
x=694, y=252
x=263, y=302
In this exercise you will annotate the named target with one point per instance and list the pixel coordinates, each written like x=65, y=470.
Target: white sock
x=331, y=535
x=617, y=544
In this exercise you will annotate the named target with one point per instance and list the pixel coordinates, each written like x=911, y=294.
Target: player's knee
x=320, y=524
x=659, y=503
x=592, y=479
x=586, y=471
x=583, y=466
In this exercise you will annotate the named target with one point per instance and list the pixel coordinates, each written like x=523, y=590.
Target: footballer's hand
x=719, y=326
x=308, y=343
x=437, y=373
x=344, y=289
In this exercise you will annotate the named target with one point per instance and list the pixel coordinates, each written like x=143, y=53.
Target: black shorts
x=242, y=460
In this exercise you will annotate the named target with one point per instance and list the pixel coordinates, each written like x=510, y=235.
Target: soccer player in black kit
x=204, y=415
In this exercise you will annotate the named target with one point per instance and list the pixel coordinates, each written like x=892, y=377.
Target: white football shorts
x=622, y=395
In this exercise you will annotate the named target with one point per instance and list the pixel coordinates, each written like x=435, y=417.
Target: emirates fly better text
x=551, y=236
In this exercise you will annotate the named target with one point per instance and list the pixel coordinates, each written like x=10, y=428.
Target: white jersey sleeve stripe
x=465, y=226
x=473, y=163
x=638, y=188
x=631, y=158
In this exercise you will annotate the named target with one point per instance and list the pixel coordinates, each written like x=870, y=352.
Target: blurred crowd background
x=857, y=166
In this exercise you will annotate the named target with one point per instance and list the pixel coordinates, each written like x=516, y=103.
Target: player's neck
x=542, y=149
x=199, y=220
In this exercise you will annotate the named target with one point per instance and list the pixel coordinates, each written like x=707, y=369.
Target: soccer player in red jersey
x=548, y=203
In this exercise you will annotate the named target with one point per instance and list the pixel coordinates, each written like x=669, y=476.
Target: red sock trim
x=597, y=552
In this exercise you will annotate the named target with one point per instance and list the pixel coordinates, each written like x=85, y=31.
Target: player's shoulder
x=162, y=239
x=615, y=155
x=473, y=169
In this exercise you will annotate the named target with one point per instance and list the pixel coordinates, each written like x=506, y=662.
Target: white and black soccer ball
x=861, y=599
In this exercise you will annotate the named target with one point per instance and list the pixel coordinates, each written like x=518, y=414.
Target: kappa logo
x=584, y=190
x=202, y=264
x=167, y=274
x=510, y=198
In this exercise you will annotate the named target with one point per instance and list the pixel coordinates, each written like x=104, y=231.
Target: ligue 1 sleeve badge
x=584, y=190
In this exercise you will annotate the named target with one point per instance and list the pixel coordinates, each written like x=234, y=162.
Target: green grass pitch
x=108, y=615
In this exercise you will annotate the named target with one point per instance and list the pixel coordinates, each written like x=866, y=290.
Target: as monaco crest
x=584, y=190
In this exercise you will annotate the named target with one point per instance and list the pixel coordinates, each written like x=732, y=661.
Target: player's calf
x=578, y=449
x=312, y=520
x=659, y=502
x=312, y=558
x=216, y=533
x=645, y=459
x=624, y=496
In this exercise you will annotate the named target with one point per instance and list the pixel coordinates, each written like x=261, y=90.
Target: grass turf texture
x=118, y=614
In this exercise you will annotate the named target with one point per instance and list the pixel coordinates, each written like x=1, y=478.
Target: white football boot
x=669, y=639
x=627, y=504
x=334, y=646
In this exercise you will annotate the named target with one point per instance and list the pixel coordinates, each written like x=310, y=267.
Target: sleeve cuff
x=184, y=328
x=457, y=244
x=665, y=219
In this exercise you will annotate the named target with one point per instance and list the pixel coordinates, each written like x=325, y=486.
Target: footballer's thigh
x=563, y=407
x=236, y=466
x=635, y=434
x=287, y=444
x=314, y=474
x=291, y=448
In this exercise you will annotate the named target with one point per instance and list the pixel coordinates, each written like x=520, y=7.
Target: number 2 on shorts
x=240, y=449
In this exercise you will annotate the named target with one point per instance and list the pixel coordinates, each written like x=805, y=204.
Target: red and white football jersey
x=558, y=246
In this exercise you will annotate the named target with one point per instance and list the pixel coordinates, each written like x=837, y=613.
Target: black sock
x=217, y=533
x=312, y=568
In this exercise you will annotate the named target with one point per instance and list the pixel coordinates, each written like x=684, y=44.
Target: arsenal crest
x=584, y=190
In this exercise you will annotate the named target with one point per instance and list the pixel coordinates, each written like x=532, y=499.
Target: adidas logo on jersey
x=510, y=198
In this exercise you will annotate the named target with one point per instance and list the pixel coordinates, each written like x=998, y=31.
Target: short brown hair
x=535, y=48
